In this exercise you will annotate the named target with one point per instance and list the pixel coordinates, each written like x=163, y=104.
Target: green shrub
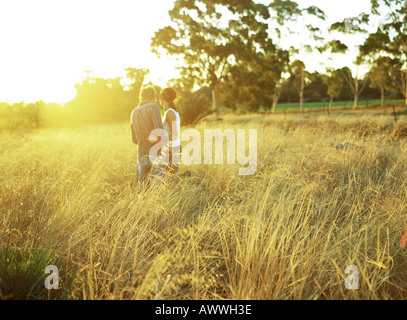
x=22, y=273
x=193, y=106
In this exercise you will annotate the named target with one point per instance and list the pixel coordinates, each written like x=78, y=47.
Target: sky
x=47, y=45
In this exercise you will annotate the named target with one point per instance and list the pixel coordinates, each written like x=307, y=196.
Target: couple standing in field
x=146, y=124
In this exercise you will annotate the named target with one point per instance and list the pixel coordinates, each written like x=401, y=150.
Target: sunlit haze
x=47, y=45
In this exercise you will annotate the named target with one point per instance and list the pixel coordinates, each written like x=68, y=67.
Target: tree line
x=232, y=58
x=233, y=47
x=97, y=101
x=100, y=100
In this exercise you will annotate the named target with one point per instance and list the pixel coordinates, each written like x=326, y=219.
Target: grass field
x=295, y=106
x=68, y=197
x=337, y=104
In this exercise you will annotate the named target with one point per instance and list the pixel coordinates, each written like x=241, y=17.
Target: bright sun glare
x=47, y=45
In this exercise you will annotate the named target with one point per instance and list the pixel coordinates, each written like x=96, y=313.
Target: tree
x=252, y=84
x=334, y=81
x=355, y=84
x=136, y=77
x=315, y=89
x=213, y=36
x=289, y=11
x=390, y=38
x=98, y=100
x=349, y=27
x=285, y=11
x=380, y=74
x=297, y=79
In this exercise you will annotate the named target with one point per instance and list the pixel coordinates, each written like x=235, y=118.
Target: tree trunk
x=356, y=102
x=215, y=99
x=302, y=91
x=277, y=92
x=275, y=105
x=382, y=94
x=331, y=99
x=405, y=89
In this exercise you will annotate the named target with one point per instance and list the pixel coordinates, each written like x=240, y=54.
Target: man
x=144, y=119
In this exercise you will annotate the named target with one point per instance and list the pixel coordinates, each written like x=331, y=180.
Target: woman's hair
x=148, y=93
x=169, y=95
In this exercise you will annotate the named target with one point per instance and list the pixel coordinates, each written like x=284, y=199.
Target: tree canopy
x=390, y=37
x=221, y=39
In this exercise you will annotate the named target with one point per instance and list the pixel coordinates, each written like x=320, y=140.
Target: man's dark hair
x=169, y=94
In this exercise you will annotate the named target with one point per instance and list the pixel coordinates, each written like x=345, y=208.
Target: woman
x=172, y=124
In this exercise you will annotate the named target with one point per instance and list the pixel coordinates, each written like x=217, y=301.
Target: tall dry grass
x=69, y=198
